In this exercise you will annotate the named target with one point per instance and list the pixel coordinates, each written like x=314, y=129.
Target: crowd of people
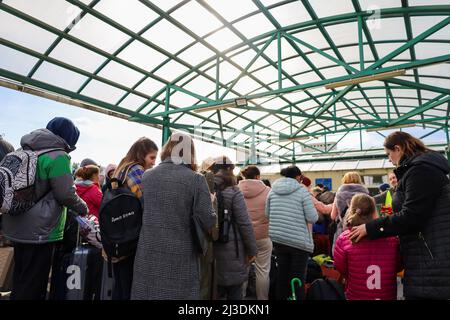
x=246, y=222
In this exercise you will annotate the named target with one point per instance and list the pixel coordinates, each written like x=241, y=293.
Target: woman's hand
x=357, y=233
x=251, y=259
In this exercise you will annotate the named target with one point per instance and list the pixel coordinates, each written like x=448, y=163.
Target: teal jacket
x=290, y=209
x=55, y=188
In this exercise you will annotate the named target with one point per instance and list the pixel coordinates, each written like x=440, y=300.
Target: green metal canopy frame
x=288, y=73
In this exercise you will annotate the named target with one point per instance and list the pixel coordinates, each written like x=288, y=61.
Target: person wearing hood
x=255, y=194
x=109, y=171
x=35, y=232
x=421, y=217
x=234, y=256
x=291, y=213
x=351, y=185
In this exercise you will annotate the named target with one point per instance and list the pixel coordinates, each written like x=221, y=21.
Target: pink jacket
x=370, y=267
x=255, y=195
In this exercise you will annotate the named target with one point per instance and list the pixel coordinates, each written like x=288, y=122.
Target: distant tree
x=75, y=166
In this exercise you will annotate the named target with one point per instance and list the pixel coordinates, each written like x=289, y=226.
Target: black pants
x=32, y=264
x=123, y=278
x=292, y=263
x=230, y=292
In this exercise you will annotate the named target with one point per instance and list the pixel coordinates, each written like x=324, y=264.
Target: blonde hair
x=361, y=210
x=181, y=147
x=351, y=177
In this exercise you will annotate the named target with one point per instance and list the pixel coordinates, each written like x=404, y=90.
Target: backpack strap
x=233, y=225
x=121, y=181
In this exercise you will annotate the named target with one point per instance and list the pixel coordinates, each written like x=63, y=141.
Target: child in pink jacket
x=370, y=266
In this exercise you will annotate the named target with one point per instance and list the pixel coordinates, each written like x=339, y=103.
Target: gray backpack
x=17, y=179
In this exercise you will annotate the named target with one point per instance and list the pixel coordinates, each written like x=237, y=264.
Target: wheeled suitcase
x=107, y=284
x=77, y=275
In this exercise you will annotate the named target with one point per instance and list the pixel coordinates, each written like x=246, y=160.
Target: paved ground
x=5, y=260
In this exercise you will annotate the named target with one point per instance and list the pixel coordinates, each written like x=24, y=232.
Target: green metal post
x=387, y=106
x=253, y=151
x=217, y=78
x=448, y=145
x=166, y=119
x=360, y=42
x=360, y=137
x=280, y=85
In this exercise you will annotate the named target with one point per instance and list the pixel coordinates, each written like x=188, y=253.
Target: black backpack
x=120, y=219
x=325, y=289
x=225, y=217
x=226, y=220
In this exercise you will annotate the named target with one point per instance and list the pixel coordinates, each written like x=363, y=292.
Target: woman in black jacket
x=422, y=217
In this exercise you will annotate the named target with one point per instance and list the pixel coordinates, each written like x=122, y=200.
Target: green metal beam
x=410, y=43
x=325, y=107
x=409, y=65
x=418, y=85
x=437, y=101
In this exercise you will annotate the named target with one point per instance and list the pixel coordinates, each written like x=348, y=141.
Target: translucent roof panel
x=120, y=74
x=126, y=56
x=58, y=14
x=232, y=12
x=60, y=77
x=204, y=21
x=139, y=15
x=16, y=61
x=105, y=37
x=247, y=26
x=31, y=36
x=223, y=39
x=158, y=35
x=140, y=54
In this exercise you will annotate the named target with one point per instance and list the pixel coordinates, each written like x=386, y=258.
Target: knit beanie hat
x=66, y=129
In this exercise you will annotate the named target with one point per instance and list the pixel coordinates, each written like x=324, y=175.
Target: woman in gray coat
x=234, y=256
x=166, y=264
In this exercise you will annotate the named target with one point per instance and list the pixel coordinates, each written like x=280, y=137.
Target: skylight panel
x=16, y=61
x=254, y=26
x=103, y=92
x=290, y=13
x=204, y=21
x=326, y=9
x=137, y=14
x=59, y=77
x=121, y=74
x=24, y=33
x=142, y=55
x=132, y=102
x=59, y=14
x=159, y=35
x=388, y=29
x=76, y=55
x=171, y=70
x=223, y=39
x=231, y=12
x=99, y=34
x=196, y=54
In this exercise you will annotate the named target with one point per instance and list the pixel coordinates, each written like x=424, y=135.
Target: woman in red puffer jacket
x=88, y=188
x=370, y=266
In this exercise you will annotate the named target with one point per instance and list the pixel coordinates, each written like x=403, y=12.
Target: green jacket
x=54, y=186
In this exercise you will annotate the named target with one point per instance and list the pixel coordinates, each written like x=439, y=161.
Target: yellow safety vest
x=388, y=201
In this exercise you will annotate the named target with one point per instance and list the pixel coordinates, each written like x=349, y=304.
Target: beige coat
x=255, y=195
